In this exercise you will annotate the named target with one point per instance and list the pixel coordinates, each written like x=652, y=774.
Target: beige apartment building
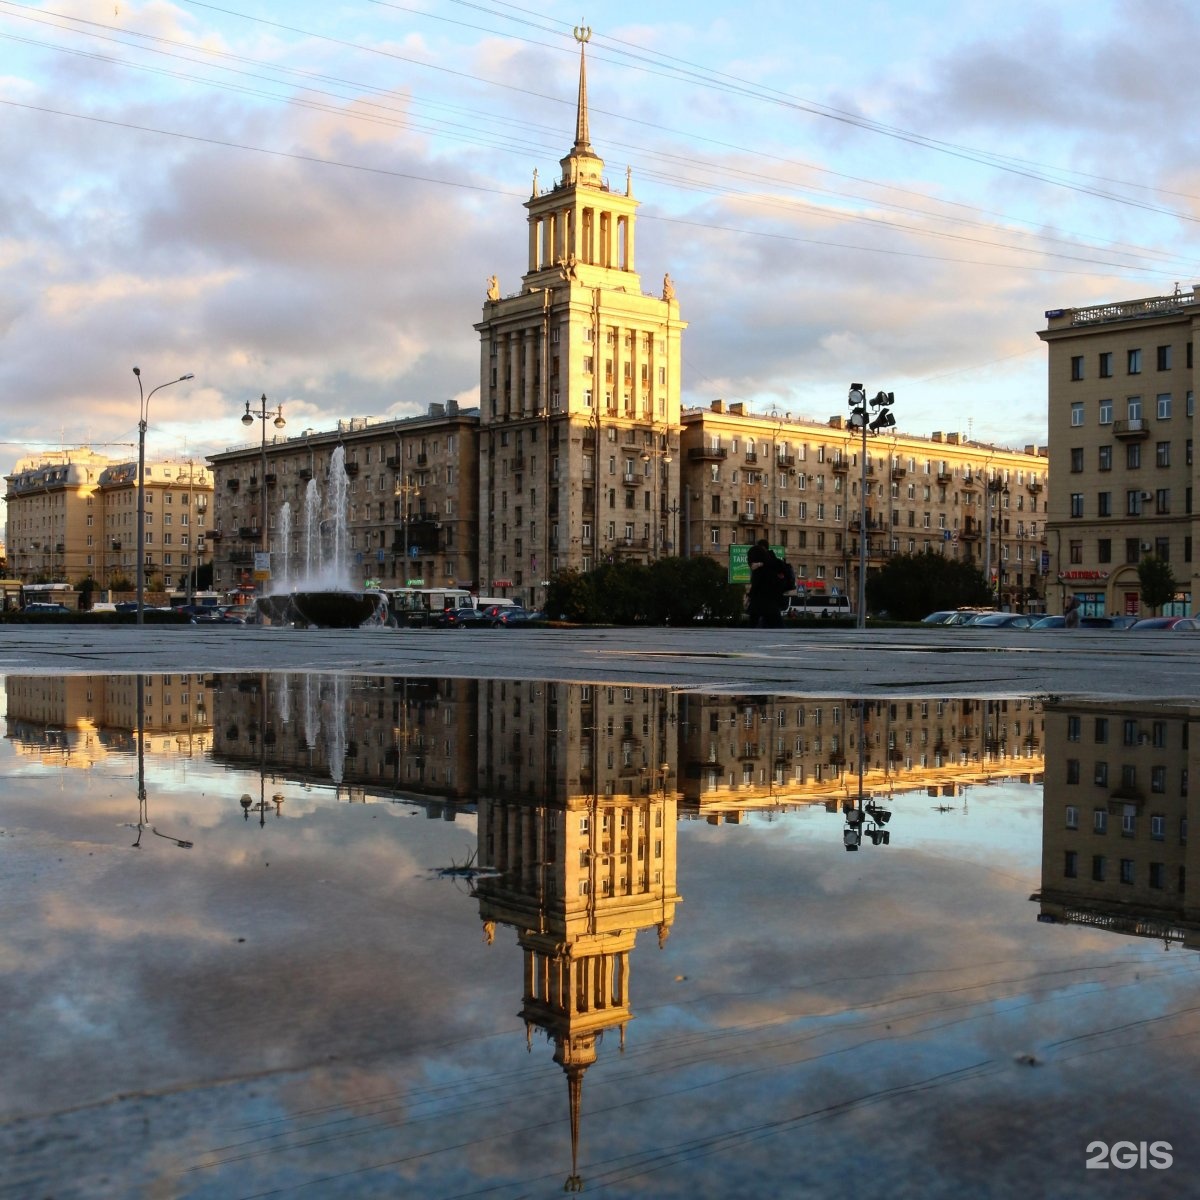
x=579, y=388
x=798, y=483
x=409, y=504
x=1121, y=402
x=72, y=515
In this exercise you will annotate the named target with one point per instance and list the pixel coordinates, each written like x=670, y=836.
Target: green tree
x=909, y=586
x=1157, y=582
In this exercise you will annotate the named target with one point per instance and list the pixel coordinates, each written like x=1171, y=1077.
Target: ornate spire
x=583, y=145
x=582, y=164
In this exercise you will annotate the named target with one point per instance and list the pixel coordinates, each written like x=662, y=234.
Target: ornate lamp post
x=143, y=412
x=993, y=487
x=861, y=419
x=402, y=492
x=263, y=415
x=660, y=453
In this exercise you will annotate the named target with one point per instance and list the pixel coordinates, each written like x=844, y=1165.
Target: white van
x=806, y=605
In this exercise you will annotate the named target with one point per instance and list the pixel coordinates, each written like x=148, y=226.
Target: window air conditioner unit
x=1146, y=546
x=1147, y=495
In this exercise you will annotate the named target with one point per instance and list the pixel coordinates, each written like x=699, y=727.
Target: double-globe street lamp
x=143, y=412
x=861, y=419
x=263, y=415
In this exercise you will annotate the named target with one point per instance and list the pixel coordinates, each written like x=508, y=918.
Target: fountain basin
x=276, y=609
x=336, y=609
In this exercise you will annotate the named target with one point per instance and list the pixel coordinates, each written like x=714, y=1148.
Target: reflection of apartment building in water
x=1115, y=829
x=78, y=720
x=740, y=753
x=369, y=735
x=577, y=818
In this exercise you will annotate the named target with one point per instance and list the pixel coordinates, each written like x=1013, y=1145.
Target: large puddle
x=350, y=936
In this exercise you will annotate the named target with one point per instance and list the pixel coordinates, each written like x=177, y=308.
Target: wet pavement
x=814, y=661
x=662, y=913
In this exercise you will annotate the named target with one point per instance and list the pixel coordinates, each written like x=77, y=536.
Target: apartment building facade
x=409, y=508
x=1121, y=387
x=72, y=515
x=800, y=484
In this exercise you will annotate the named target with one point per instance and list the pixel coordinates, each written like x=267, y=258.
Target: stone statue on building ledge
x=493, y=291
x=668, y=288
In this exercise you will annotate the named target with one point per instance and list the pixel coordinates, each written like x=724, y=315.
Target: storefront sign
x=1078, y=575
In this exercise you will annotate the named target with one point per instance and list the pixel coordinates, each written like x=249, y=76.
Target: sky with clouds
x=306, y=200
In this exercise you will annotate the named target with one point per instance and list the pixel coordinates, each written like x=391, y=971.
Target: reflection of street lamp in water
x=143, y=816
x=866, y=818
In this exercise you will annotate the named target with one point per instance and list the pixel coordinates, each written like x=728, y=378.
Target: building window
x=1133, y=550
x=1098, y=868
x=1077, y=504
x=1163, y=406
x=1156, y=875
x=1104, y=504
x=1158, y=827
x=1127, y=870
x=1072, y=770
x=1163, y=358
x=1100, y=820
x=1105, y=462
x=1076, y=459
x=1162, y=502
x=1162, y=454
x=1106, y=364
x=1133, y=456
x=1106, y=409
x=1077, y=412
x=1100, y=777
x=1076, y=367
x=1133, y=362
x=1104, y=550
x=1076, y=552
x=1072, y=817
x=1070, y=864
x=1133, y=503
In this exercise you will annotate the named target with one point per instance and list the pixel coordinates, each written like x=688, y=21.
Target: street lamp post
x=659, y=508
x=402, y=491
x=860, y=419
x=263, y=415
x=143, y=412
x=993, y=487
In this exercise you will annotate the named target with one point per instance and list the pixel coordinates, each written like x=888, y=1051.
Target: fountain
x=324, y=595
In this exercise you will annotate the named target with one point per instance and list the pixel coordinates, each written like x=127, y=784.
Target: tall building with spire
x=579, y=388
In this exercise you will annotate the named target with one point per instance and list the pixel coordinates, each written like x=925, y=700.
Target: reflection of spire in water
x=334, y=713
x=311, y=724
x=284, y=583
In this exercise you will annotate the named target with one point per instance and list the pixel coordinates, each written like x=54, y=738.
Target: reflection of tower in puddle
x=577, y=815
x=1115, y=819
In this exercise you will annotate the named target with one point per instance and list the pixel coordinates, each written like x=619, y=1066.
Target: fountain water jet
x=324, y=596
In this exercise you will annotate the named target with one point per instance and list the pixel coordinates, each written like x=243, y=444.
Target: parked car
x=940, y=617
x=201, y=614
x=1001, y=620
x=509, y=616
x=1174, y=624
x=964, y=616
x=1106, y=622
x=1050, y=622
x=458, y=618
x=45, y=608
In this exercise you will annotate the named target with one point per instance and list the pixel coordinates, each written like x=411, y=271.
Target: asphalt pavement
x=802, y=661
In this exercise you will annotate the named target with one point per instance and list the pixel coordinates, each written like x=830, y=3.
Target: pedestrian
x=765, y=602
x=1071, y=612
